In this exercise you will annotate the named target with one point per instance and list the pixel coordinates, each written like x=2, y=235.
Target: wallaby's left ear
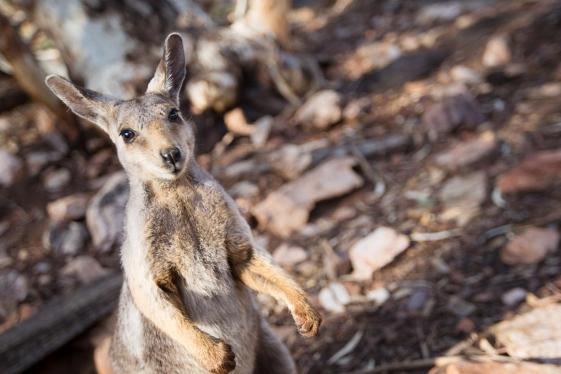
x=170, y=73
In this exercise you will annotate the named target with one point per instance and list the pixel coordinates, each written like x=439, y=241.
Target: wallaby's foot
x=221, y=360
x=307, y=320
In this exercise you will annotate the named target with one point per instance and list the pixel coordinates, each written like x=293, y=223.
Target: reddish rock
x=468, y=152
x=537, y=172
x=531, y=246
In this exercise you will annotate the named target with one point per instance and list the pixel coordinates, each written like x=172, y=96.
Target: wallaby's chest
x=189, y=229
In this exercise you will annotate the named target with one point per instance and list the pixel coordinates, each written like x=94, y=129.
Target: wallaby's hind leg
x=272, y=355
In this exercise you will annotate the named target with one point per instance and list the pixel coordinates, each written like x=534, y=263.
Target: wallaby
x=189, y=258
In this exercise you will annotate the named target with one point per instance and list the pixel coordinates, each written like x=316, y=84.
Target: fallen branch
x=57, y=323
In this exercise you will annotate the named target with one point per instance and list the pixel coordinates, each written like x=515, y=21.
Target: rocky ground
x=414, y=195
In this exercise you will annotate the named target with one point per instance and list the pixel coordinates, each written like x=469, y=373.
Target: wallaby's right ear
x=88, y=104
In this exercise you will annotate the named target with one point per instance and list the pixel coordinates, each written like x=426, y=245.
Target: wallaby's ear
x=170, y=73
x=87, y=104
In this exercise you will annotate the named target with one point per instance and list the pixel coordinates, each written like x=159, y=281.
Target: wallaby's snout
x=172, y=157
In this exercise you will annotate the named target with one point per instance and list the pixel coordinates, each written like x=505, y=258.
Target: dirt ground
x=441, y=291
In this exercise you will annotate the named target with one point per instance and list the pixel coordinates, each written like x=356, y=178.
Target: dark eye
x=173, y=115
x=127, y=135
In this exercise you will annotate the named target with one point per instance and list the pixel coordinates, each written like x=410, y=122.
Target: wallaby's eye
x=127, y=135
x=173, y=115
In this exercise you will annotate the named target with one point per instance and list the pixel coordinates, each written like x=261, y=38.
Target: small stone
x=72, y=207
x=538, y=172
x=440, y=12
x=334, y=297
x=243, y=189
x=237, y=123
x=36, y=161
x=514, y=296
x=322, y=110
x=65, y=238
x=462, y=197
x=14, y=290
x=369, y=57
x=417, y=300
x=106, y=213
x=379, y=295
x=261, y=130
x=497, y=52
x=376, y=251
x=468, y=152
x=463, y=74
x=287, y=255
x=460, y=307
x=290, y=161
x=452, y=112
x=530, y=246
x=11, y=168
x=56, y=180
x=84, y=268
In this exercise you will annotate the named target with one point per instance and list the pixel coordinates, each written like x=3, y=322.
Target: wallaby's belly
x=139, y=347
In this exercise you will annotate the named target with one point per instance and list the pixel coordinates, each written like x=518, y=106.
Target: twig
x=374, y=177
x=435, y=236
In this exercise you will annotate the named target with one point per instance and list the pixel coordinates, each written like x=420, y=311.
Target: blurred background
x=399, y=158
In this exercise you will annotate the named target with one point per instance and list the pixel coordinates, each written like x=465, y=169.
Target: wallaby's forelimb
x=160, y=303
x=257, y=272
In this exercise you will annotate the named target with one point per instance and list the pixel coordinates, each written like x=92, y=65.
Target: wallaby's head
x=153, y=140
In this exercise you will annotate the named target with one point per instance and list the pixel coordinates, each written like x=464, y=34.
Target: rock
x=418, y=300
x=530, y=246
x=467, y=152
x=537, y=172
x=369, y=57
x=11, y=168
x=84, y=268
x=514, y=296
x=14, y=290
x=237, y=123
x=379, y=295
x=56, y=180
x=320, y=111
x=473, y=367
x=462, y=197
x=460, y=307
x=450, y=113
x=72, y=207
x=356, y=108
x=463, y=74
x=497, y=52
x=290, y=161
x=36, y=161
x=65, y=238
x=334, y=297
x=287, y=255
x=532, y=335
x=261, y=130
x=376, y=251
x=287, y=209
x=243, y=189
x=440, y=12
x=106, y=212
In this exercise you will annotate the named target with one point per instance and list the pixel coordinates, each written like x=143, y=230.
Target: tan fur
x=189, y=258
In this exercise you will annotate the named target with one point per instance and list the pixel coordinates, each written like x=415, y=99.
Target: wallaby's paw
x=224, y=359
x=307, y=321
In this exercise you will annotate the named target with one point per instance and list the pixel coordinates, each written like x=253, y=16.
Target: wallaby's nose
x=171, y=155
